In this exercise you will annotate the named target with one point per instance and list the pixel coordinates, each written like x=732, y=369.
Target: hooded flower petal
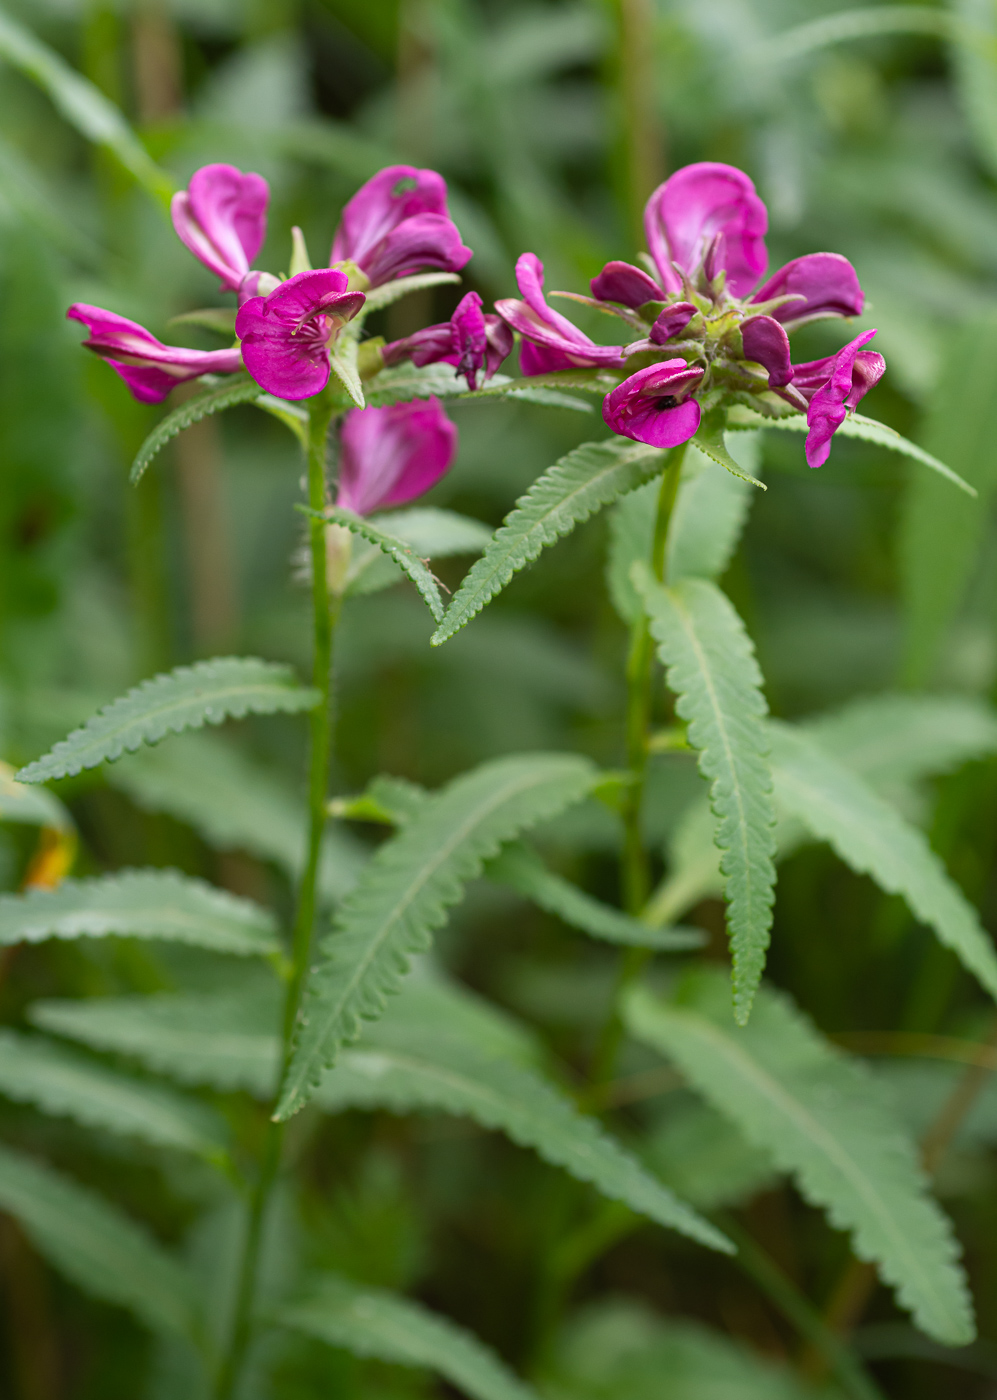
x=389, y=456
x=149, y=368
x=286, y=336
x=651, y=406
x=397, y=224
x=626, y=285
x=767, y=343
x=672, y=321
x=561, y=344
x=826, y=284
x=222, y=218
x=470, y=340
x=834, y=386
x=685, y=214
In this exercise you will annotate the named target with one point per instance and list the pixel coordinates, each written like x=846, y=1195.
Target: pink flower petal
x=767, y=343
x=149, y=368
x=848, y=379
x=221, y=218
x=651, y=406
x=826, y=282
x=684, y=215
x=397, y=224
x=540, y=324
x=285, y=336
x=389, y=456
x=626, y=285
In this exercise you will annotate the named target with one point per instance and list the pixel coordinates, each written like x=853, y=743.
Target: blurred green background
x=874, y=136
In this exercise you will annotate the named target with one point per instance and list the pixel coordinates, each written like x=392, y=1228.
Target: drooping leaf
x=711, y=669
x=821, y=1117
x=430, y=533
x=232, y=391
x=372, y=1322
x=209, y=692
x=404, y=891
x=66, y=1084
x=140, y=904
x=522, y=869
x=100, y=1250
x=582, y=482
x=83, y=105
x=396, y=549
x=30, y=805
x=711, y=439
x=837, y=806
x=854, y=426
x=380, y=297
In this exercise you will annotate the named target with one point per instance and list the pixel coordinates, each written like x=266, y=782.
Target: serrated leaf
x=372, y=1322
x=227, y=687
x=240, y=389
x=836, y=806
x=431, y=533
x=64, y=1083
x=854, y=426
x=396, y=549
x=83, y=105
x=821, y=1117
x=140, y=904
x=390, y=292
x=548, y=398
x=522, y=869
x=29, y=805
x=574, y=488
x=406, y=1069
x=591, y=381
x=711, y=668
x=96, y=1247
x=404, y=891
x=404, y=382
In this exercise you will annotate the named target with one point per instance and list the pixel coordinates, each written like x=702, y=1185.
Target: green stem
x=325, y=612
x=635, y=867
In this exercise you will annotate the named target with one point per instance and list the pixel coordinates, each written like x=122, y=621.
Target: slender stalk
x=635, y=868
x=637, y=88
x=325, y=613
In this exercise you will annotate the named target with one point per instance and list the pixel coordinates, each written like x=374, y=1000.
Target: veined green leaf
x=140, y=904
x=66, y=1084
x=407, y=381
x=390, y=292
x=869, y=835
x=83, y=105
x=30, y=805
x=430, y=533
x=821, y=1117
x=209, y=692
x=96, y=1247
x=372, y=1322
x=407, y=1069
x=405, y=889
x=402, y=554
x=855, y=426
x=566, y=494
x=232, y=391
x=522, y=869
x=591, y=381
x=711, y=669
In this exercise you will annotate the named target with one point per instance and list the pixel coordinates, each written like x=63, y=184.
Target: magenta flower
x=286, y=336
x=388, y=456
x=470, y=340
x=397, y=224
x=685, y=215
x=766, y=343
x=653, y=406
x=832, y=386
x=550, y=341
x=625, y=284
x=149, y=368
x=822, y=284
x=222, y=218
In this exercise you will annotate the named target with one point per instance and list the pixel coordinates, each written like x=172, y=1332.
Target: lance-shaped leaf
x=140, y=904
x=227, y=394
x=404, y=891
x=590, y=477
x=854, y=426
x=836, y=806
x=522, y=870
x=390, y=292
x=227, y=687
x=821, y=1116
x=96, y=1247
x=711, y=440
x=372, y=1322
x=32, y=806
x=395, y=548
x=711, y=669
x=430, y=533
x=66, y=1084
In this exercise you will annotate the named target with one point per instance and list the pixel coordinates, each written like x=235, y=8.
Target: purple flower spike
x=672, y=321
x=391, y=455
x=626, y=285
x=470, y=340
x=650, y=406
x=684, y=216
x=222, y=218
x=833, y=386
x=552, y=342
x=826, y=284
x=149, y=368
x=286, y=336
x=767, y=343
x=397, y=224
